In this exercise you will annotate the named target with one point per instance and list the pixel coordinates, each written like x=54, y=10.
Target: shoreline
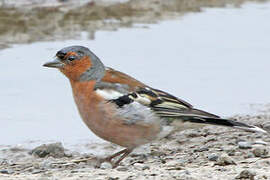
x=27, y=21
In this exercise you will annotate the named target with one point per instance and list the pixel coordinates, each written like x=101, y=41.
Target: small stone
x=69, y=154
x=244, y=145
x=231, y=152
x=3, y=171
x=6, y=171
x=138, y=165
x=184, y=172
x=266, y=126
x=193, y=134
x=106, y=165
x=246, y=174
x=47, y=175
x=260, y=152
x=212, y=157
x=225, y=160
x=201, y=149
x=37, y=171
x=174, y=165
x=260, y=142
x=55, y=150
x=46, y=164
x=250, y=155
x=122, y=169
x=36, y=165
x=145, y=168
x=113, y=178
x=238, y=153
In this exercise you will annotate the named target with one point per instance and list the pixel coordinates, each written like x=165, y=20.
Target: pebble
x=55, y=150
x=224, y=160
x=3, y=171
x=266, y=127
x=244, y=145
x=106, y=165
x=250, y=155
x=122, y=169
x=138, y=166
x=8, y=171
x=37, y=171
x=260, y=142
x=260, y=152
x=212, y=157
x=113, y=178
x=46, y=164
x=145, y=168
x=174, y=165
x=231, y=152
x=246, y=174
x=238, y=153
x=182, y=172
x=201, y=149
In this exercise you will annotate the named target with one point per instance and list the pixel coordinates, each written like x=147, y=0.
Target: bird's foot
x=124, y=153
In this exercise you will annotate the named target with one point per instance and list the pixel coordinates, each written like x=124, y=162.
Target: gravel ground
x=208, y=153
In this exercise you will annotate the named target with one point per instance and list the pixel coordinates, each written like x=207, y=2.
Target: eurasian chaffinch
x=123, y=110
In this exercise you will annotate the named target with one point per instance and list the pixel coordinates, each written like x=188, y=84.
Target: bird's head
x=78, y=63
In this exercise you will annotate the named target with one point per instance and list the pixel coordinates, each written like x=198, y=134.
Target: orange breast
x=100, y=116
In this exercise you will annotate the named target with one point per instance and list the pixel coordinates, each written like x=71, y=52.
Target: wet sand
x=208, y=153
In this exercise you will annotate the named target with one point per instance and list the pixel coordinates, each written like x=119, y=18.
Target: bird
x=122, y=110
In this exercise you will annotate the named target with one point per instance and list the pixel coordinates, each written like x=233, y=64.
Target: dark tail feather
x=225, y=122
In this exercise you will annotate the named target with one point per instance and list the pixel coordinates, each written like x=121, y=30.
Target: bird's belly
x=124, y=130
x=126, y=135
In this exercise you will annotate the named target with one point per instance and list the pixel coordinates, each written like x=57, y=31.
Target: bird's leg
x=124, y=153
x=109, y=159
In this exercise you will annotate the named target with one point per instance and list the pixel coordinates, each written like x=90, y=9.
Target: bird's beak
x=54, y=64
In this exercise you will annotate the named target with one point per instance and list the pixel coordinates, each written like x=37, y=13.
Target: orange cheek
x=76, y=68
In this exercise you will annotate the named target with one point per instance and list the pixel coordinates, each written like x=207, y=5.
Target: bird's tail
x=225, y=122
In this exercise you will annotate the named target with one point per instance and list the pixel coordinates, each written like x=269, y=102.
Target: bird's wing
x=167, y=106
x=123, y=90
x=161, y=103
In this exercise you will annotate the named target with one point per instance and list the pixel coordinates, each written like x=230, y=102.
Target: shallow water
x=217, y=60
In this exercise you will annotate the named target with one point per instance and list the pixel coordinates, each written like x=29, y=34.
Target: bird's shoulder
x=115, y=84
x=123, y=90
x=116, y=77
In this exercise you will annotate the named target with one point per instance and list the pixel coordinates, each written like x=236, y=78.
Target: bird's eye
x=72, y=58
x=60, y=55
